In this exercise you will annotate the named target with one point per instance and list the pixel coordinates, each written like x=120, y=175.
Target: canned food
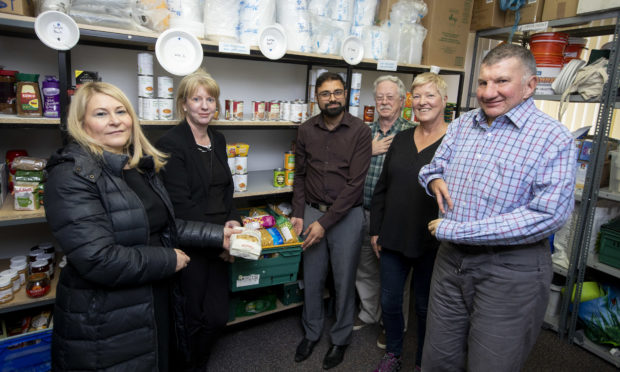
x=228, y=109
x=258, y=110
x=145, y=86
x=237, y=110
x=149, y=108
x=164, y=110
x=241, y=182
x=285, y=111
x=241, y=164
x=145, y=64
x=355, y=97
x=407, y=113
x=369, y=114
x=290, y=176
x=232, y=164
x=289, y=160
x=165, y=87
x=296, y=112
x=279, y=177
x=274, y=110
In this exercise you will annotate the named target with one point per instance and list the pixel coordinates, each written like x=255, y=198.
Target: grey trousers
x=486, y=308
x=339, y=247
x=368, y=281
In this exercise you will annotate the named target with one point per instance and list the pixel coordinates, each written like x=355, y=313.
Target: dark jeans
x=394, y=270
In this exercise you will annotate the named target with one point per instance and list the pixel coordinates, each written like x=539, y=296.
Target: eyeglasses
x=339, y=93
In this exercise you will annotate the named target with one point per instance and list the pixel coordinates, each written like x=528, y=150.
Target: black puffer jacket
x=103, y=317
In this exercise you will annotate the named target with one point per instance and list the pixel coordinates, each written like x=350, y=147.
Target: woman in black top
x=114, y=221
x=399, y=215
x=200, y=185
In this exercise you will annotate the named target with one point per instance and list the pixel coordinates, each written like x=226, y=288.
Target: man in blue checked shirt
x=504, y=178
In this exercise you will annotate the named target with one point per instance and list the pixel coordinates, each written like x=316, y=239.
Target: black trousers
x=204, y=283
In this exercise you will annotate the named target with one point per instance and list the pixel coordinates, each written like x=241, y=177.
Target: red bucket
x=574, y=49
x=548, y=43
x=548, y=60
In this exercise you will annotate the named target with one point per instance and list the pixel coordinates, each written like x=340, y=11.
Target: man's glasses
x=339, y=93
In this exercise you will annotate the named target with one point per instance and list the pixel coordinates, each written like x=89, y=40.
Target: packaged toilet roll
x=364, y=12
x=185, y=10
x=295, y=18
x=376, y=42
x=221, y=19
x=342, y=10
x=253, y=17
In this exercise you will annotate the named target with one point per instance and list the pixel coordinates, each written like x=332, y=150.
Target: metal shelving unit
x=578, y=27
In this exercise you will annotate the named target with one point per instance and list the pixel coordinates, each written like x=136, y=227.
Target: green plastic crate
x=290, y=293
x=264, y=272
x=609, y=251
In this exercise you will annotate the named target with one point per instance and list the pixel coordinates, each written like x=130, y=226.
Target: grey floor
x=268, y=344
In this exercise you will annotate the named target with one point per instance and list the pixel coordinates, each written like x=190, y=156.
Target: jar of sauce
x=38, y=285
x=41, y=265
x=7, y=92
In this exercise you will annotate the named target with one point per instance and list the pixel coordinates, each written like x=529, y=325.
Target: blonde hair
x=430, y=77
x=189, y=85
x=136, y=147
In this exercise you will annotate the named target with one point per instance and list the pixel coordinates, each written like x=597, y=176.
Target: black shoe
x=334, y=356
x=304, y=350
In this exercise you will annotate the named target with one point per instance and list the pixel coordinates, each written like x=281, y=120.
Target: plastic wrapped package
x=405, y=44
x=376, y=42
x=408, y=11
x=295, y=19
x=185, y=10
x=357, y=31
x=221, y=19
x=152, y=14
x=326, y=36
x=342, y=10
x=41, y=6
x=253, y=16
x=320, y=7
x=364, y=12
x=141, y=15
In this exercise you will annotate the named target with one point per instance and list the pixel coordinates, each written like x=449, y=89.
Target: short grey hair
x=401, y=86
x=505, y=51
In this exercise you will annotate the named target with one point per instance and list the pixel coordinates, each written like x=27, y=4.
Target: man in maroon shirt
x=332, y=156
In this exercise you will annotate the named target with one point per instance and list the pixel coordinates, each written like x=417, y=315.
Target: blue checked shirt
x=511, y=183
x=376, y=162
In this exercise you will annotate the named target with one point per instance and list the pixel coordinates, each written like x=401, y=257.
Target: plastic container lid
x=39, y=263
x=46, y=245
x=11, y=273
x=34, y=78
x=19, y=265
x=16, y=259
x=4, y=281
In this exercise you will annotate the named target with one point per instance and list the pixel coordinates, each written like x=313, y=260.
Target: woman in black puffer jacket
x=117, y=307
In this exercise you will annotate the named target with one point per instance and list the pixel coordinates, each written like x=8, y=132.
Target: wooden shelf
x=9, y=216
x=22, y=301
x=9, y=120
x=279, y=307
x=260, y=183
x=226, y=123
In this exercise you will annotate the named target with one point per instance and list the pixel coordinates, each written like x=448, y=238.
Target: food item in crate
x=28, y=163
x=284, y=208
x=40, y=321
x=271, y=236
x=257, y=212
x=17, y=324
x=246, y=244
x=286, y=229
x=26, y=197
x=258, y=222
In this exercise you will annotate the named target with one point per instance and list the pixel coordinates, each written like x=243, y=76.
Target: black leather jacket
x=103, y=316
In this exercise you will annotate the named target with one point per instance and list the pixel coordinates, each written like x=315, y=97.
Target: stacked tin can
x=233, y=109
x=354, y=97
x=295, y=111
x=284, y=176
x=165, y=98
x=147, y=103
x=238, y=163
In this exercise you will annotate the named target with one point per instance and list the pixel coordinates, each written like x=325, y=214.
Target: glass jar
x=50, y=261
x=14, y=276
x=34, y=253
x=6, y=289
x=16, y=259
x=8, y=92
x=38, y=285
x=22, y=270
x=40, y=266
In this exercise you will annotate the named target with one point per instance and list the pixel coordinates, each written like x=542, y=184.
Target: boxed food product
x=19, y=7
x=487, y=14
x=556, y=9
x=447, y=23
x=587, y=6
x=530, y=13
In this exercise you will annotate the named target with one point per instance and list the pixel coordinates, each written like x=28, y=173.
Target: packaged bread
x=40, y=321
x=246, y=244
x=28, y=163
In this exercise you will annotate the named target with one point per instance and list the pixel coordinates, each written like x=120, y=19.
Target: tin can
x=285, y=111
x=232, y=164
x=296, y=112
x=304, y=112
x=289, y=160
x=165, y=108
x=314, y=109
x=149, y=108
x=406, y=114
x=241, y=182
x=279, y=177
x=140, y=108
x=355, y=97
x=164, y=87
x=145, y=64
x=369, y=114
x=354, y=111
x=274, y=110
x=290, y=177
x=237, y=110
x=241, y=164
x=258, y=110
x=228, y=109
x=145, y=86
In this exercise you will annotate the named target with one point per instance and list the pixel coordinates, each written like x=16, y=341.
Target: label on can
x=279, y=177
x=258, y=110
x=355, y=97
x=285, y=111
x=232, y=164
x=228, y=109
x=369, y=114
x=241, y=164
x=290, y=176
x=241, y=182
x=237, y=110
x=165, y=109
x=149, y=108
x=289, y=160
x=274, y=110
x=164, y=87
x=145, y=64
x=145, y=86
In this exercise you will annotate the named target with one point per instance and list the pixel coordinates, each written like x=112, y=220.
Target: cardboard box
x=447, y=23
x=588, y=6
x=556, y=9
x=530, y=13
x=486, y=14
x=20, y=7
